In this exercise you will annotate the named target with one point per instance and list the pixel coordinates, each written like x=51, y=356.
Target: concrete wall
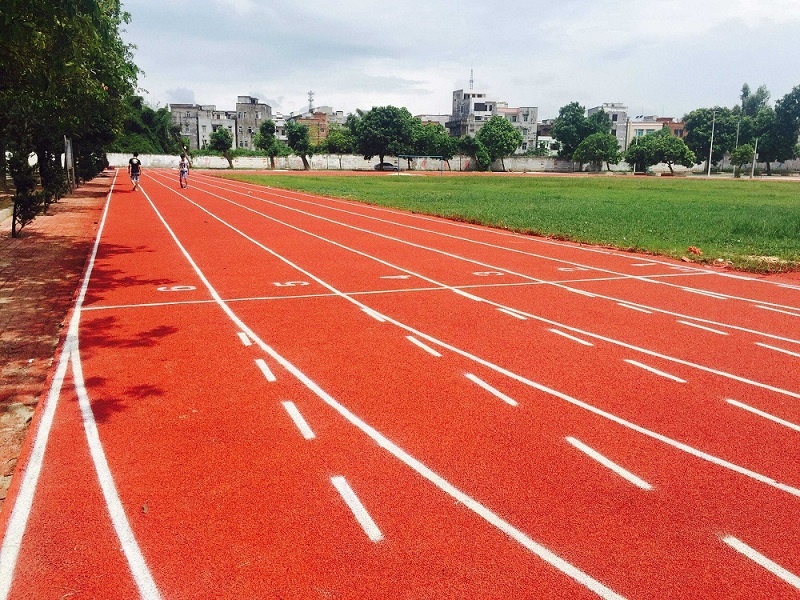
x=349, y=162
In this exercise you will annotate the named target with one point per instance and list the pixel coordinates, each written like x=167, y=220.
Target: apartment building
x=250, y=113
x=472, y=109
x=198, y=121
x=619, y=120
x=642, y=125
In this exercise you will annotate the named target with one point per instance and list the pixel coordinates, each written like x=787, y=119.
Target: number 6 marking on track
x=176, y=288
x=290, y=283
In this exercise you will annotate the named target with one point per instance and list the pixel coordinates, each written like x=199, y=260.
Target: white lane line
x=766, y=415
x=375, y=315
x=656, y=371
x=298, y=419
x=359, y=512
x=705, y=293
x=622, y=472
x=491, y=389
x=433, y=477
x=18, y=520
x=245, y=340
x=425, y=347
x=631, y=307
x=777, y=310
x=511, y=313
x=644, y=264
x=382, y=441
x=265, y=370
x=571, y=337
x=466, y=294
x=776, y=349
x=762, y=561
x=690, y=324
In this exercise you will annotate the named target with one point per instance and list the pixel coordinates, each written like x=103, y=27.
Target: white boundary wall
x=350, y=162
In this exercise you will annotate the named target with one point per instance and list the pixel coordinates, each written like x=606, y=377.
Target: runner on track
x=184, y=171
x=135, y=169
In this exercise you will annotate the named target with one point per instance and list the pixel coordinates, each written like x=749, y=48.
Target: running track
x=269, y=394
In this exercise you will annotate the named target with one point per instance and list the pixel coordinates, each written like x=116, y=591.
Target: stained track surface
x=270, y=394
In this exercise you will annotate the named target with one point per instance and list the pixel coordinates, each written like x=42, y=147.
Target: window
x=204, y=128
x=614, y=117
x=188, y=114
x=249, y=130
x=524, y=146
x=258, y=114
x=614, y=132
x=525, y=117
x=513, y=118
x=240, y=130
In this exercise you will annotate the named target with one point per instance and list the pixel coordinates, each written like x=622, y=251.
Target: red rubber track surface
x=456, y=377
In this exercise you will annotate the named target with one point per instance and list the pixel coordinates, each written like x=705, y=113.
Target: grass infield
x=751, y=225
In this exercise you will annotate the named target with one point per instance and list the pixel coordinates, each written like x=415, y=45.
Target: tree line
x=65, y=73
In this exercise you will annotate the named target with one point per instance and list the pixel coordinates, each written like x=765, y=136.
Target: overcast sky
x=662, y=58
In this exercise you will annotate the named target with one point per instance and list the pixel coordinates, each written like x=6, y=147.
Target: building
x=642, y=125
x=198, y=121
x=250, y=113
x=472, y=109
x=428, y=119
x=619, y=119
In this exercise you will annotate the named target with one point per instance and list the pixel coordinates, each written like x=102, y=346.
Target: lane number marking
x=176, y=288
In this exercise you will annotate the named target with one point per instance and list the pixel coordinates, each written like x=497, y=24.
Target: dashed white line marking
x=571, y=337
x=762, y=561
x=690, y=324
x=777, y=310
x=513, y=314
x=374, y=315
x=245, y=340
x=622, y=472
x=776, y=349
x=704, y=293
x=766, y=415
x=490, y=389
x=655, y=371
x=581, y=292
x=628, y=306
x=425, y=347
x=354, y=504
x=298, y=419
x=265, y=370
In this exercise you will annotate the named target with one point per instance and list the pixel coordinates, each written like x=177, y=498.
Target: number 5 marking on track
x=290, y=283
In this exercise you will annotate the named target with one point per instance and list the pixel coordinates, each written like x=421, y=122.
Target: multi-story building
x=641, y=126
x=472, y=109
x=619, y=120
x=198, y=121
x=250, y=113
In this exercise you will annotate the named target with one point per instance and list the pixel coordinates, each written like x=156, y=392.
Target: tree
x=339, y=141
x=66, y=72
x=221, y=140
x=753, y=102
x=432, y=139
x=499, y=137
x=741, y=156
x=473, y=147
x=265, y=140
x=383, y=130
x=299, y=141
x=146, y=130
x=659, y=147
x=699, y=125
x=572, y=126
x=597, y=148
x=787, y=124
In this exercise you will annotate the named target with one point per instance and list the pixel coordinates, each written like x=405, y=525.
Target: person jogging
x=183, y=167
x=135, y=169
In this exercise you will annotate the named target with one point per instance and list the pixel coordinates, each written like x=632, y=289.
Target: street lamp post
x=711, y=146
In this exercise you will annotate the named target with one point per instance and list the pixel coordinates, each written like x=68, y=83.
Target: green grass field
x=753, y=224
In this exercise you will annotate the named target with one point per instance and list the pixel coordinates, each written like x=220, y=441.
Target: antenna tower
x=311, y=102
x=471, y=79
